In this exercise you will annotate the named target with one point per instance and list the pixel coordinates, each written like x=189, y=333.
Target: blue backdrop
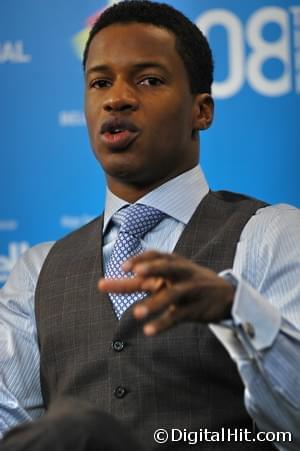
x=50, y=181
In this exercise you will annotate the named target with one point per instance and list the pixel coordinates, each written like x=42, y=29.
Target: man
x=154, y=363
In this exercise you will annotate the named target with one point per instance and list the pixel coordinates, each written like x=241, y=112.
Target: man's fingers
x=121, y=285
x=174, y=314
x=166, y=296
x=129, y=285
x=146, y=256
x=171, y=316
x=152, y=304
x=166, y=268
x=153, y=284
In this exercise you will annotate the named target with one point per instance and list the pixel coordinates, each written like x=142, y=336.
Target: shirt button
x=118, y=345
x=120, y=392
x=249, y=329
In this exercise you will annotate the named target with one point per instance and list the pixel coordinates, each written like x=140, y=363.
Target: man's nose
x=120, y=98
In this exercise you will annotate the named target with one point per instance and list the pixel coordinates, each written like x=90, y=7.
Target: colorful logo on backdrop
x=263, y=51
x=79, y=40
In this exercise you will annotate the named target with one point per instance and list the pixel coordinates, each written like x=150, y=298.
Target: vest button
x=120, y=392
x=118, y=345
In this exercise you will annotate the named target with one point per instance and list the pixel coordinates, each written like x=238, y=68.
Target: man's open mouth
x=118, y=140
x=118, y=133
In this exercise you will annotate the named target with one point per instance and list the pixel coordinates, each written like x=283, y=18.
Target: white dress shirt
x=263, y=338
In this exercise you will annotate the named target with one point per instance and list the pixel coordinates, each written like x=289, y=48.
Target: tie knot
x=138, y=219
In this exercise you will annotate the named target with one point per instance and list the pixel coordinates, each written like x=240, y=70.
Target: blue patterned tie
x=136, y=221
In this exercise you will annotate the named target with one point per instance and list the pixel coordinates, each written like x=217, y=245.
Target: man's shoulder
x=32, y=260
x=236, y=199
x=26, y=270
x=235, y=207
x=266, y=217
x=262, y=219
x=273, y=223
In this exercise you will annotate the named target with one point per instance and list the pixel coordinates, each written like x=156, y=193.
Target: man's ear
x=203, y=113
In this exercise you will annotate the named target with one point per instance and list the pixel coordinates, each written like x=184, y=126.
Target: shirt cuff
x=255, y=322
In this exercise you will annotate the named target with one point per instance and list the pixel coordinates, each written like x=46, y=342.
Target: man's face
x=139, y=109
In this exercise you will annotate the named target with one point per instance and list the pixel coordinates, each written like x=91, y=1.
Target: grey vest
x=182, y=378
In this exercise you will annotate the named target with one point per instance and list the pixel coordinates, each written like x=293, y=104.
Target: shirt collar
x=178, y=197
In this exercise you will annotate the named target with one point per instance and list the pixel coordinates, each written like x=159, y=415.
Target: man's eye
x=151, y=81
x=99, y=83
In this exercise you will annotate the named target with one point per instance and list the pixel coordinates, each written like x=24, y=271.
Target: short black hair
x=191, y=44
